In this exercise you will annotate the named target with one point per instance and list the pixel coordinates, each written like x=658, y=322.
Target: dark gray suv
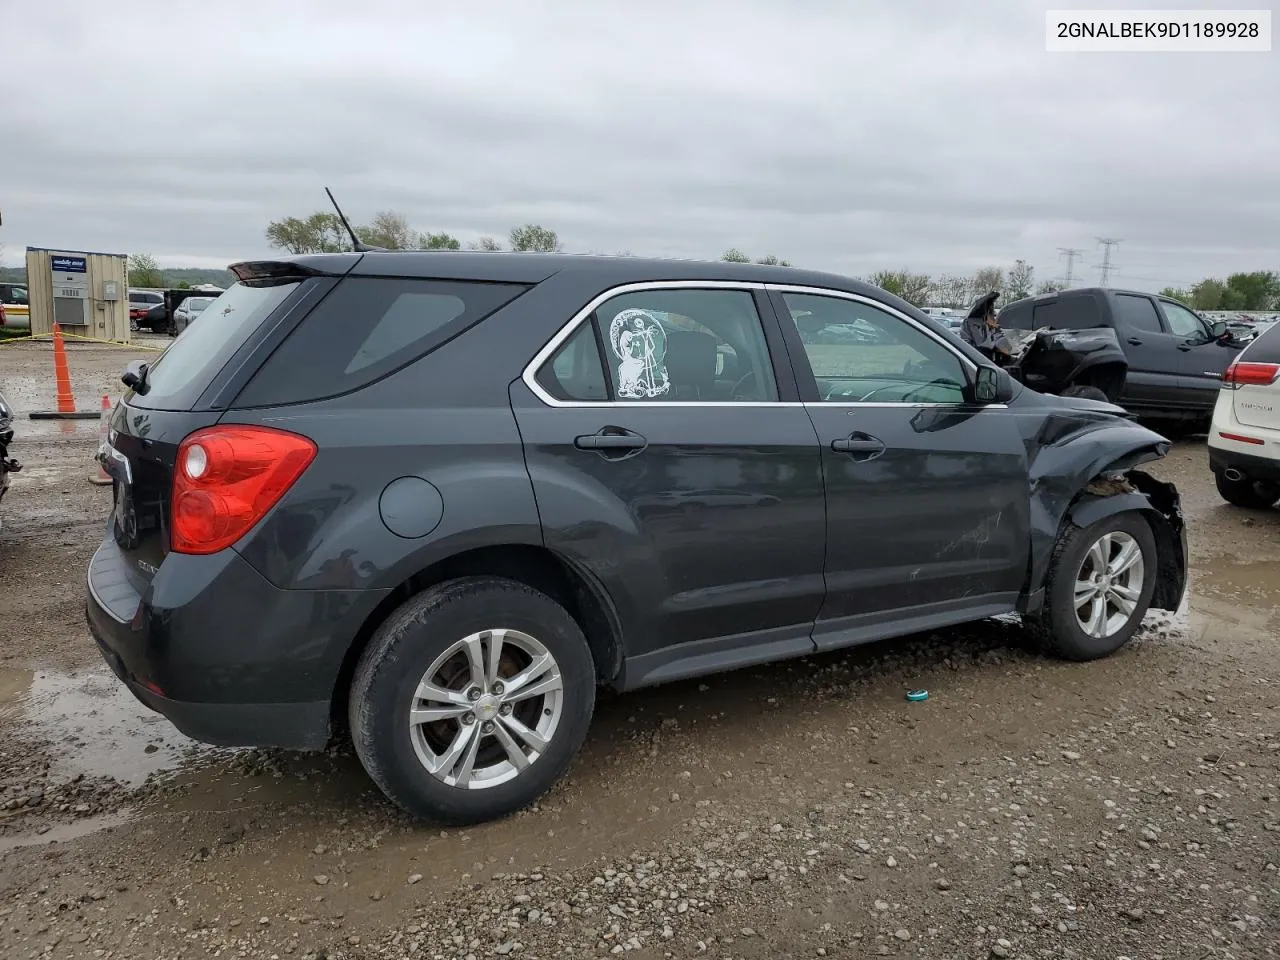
x=444, y=496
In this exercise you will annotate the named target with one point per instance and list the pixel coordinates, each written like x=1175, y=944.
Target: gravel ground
x=1029, y=808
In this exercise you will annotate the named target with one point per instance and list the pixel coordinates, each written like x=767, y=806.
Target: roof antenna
x=356, y=244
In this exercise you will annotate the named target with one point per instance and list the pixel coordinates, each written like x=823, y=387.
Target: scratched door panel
x=939, y=518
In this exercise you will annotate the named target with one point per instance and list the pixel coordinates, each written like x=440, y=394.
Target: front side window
x=863, y=354
x=1182, y=321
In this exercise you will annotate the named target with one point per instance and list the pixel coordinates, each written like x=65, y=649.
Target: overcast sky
x=841, y=134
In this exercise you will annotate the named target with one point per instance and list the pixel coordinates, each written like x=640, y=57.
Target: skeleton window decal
x=639, y=341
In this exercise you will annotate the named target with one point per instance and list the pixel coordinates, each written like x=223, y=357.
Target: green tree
x=1049, y=286
x=773, y=261
x=734, y=255
x=1019, y=280
x=319, y=233
x=1253, y=291
x=984, y=281
x=535, y=237
x=389, y=230
x=182, y=285
x=1209, y=294
x=438, y=241
x=1176, y=293
x=951, y=291
x=911, y=287
x=143, y=271
x=488, y=244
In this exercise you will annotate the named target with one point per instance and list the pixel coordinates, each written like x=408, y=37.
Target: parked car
x=1244, y=441
x=15, y=311
x=442, y=498
x=140, y=304
x=188, y=310
x=1175, y=358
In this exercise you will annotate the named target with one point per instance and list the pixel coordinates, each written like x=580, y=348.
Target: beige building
x=86, y=293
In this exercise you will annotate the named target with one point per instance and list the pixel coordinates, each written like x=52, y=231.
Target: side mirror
x=1218, y=330
x=992, y=385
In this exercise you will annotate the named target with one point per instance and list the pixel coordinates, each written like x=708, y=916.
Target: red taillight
x=1239, y=438
x=1251, y=374
x=225, y=480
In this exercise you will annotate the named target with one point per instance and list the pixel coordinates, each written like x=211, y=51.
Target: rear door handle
x=1135, y=341
x=611, y=441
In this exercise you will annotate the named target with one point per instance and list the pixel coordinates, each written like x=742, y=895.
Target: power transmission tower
x=1107, y=244
x=1071, y=255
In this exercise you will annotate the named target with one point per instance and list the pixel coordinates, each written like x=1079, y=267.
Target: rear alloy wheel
x=1099, y=588
x=472, y=700
x=1250, y=494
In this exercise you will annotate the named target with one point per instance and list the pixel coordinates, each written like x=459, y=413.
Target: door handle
x=1135, y=341
x=861, y=445
x=1184, y=347
x=611, y=441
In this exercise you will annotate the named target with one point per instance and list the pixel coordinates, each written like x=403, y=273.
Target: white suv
x=1244, y=441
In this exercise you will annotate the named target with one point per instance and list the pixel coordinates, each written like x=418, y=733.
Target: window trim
x=529, y=375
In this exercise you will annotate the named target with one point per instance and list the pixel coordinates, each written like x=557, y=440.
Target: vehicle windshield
x=196, y=304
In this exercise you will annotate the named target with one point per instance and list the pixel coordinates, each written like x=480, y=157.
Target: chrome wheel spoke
x=436, y=694
x=1099, y=554
x=435, y=714
x=1097, y=617
x=531, y=737
x=528, y=675
x=469, y=757
x=515, y=753
x=1124, y=604
x=465, y=738
x=1129, y=555
x=474, y=647
x=496, y=640
x=1084, y=592
x=548, y=684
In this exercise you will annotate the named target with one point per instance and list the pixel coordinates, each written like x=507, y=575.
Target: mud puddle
x=94, y=727
x=66, y=832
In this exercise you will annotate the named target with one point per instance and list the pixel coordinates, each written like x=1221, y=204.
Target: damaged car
x=433, y=501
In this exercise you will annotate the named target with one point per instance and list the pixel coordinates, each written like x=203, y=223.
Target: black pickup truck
x=1176, y=358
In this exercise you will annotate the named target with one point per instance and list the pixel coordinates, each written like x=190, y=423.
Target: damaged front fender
x=1082, y=470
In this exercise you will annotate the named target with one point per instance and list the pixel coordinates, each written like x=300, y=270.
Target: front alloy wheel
x=1109, y=584
x=486, y=709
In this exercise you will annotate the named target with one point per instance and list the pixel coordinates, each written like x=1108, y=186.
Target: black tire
x=400, y=653
x=1086, y=392
x=1057, y=625
x=1250, y=494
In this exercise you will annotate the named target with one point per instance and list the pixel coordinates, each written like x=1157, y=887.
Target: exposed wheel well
x=1107, y=377
x=535, y=566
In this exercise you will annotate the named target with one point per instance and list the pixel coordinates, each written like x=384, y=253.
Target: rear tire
x=1094, y=602
x=1086, y=392
x=1250, y=494
x=473, y=750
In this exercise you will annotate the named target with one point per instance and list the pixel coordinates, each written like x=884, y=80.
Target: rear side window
x=1140, y=312
x=1068, y=313
x=575, y=371
x=366, y=328
x=176, y=380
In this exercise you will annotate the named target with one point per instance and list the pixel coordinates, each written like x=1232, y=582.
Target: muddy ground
x=1030, y=808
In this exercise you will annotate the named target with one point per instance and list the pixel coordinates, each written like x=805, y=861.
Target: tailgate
x=1254, y=382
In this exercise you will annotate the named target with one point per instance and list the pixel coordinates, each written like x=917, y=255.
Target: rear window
x=176, y=380
x=365, y=329
x=1266, y=349
x=1068, y=313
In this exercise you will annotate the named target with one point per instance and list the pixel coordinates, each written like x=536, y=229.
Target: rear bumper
x=1253, y=467
x=227, y=657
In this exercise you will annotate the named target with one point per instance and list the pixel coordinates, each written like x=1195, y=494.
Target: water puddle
x=66, y=832
x=1244, y=583
x=93, y=724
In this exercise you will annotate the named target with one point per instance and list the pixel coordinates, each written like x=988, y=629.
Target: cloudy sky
x=847, y=135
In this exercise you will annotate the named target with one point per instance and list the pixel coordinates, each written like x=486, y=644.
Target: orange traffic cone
x=100, y=476
x=62, y=379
